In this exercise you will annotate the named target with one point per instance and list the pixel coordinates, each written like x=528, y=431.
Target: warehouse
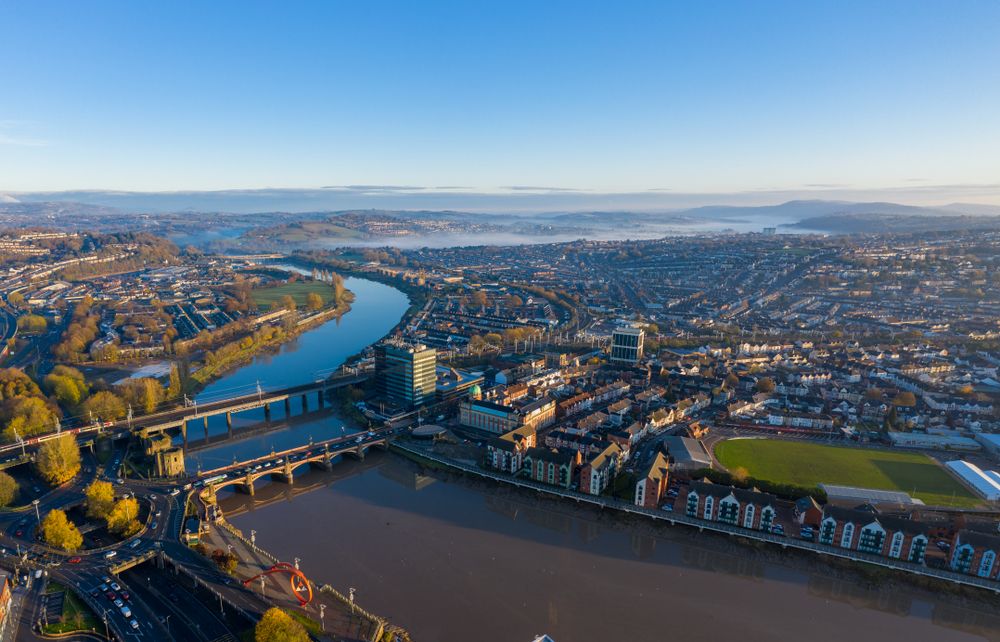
x=986, y=486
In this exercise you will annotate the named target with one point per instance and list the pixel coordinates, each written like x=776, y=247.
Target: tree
x=905, y=398
x=100, y=499
x=16, y=299
x=765, y=384
x=479, y=298
x=59, y=532
x=314, y=301
x=104, y=406
x=67, y=385
x=225, y=560
x=27, y=416
x=731, y=381
x=143, y=394
x=278, y=626
x=123, y=518
x=58, y=459
x=174, y=388
x=32, y=323
x=287, y=302
x=8, y=489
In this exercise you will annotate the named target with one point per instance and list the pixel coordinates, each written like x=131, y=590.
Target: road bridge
x=282, y=465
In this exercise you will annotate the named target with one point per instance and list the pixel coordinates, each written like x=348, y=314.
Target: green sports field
x=267, y=298
x=808, y=464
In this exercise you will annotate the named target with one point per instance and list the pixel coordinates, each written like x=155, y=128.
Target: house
x=551, y=466
x=975, y=553
x=738, y=507
x=651, y=486
x=598, y=473
x=864, y=530
x=506, y=452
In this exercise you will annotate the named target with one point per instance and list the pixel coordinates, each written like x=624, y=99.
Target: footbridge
x=282, y=465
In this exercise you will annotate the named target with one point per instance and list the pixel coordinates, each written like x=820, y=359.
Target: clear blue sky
x=604, y=96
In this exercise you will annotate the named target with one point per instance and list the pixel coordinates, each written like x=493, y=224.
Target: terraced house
x=975, y=553
x=866, y=531
x=736, y=506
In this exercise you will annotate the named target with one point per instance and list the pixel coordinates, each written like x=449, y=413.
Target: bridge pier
x=305, y=403
x=288, y=407
x=319, y=398
x=267, y=412
x=184, y=433
x=206, y=428
x=229, y=423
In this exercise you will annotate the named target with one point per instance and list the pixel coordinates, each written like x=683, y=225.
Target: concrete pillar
x=288, y=407
x=319, y=398
x=184, y=433
x=206, y=428
x=229, y=423
x=267, y=412
x=305, y=404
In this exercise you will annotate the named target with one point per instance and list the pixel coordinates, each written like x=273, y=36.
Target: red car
x=74, y=560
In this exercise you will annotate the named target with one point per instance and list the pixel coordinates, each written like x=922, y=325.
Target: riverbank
x=207, y=374
x=934, y=578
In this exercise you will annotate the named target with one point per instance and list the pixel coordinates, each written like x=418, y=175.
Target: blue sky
x=708, y=98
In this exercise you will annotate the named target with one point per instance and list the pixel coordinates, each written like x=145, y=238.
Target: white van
x=110, y=554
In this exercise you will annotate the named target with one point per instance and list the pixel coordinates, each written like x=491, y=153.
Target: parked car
x=133, y=624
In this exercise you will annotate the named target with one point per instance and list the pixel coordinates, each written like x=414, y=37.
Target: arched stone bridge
x=282, y=466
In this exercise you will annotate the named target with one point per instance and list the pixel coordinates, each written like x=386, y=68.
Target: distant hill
x=868, y=223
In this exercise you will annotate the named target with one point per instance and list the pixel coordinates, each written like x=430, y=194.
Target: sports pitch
x=808, y=464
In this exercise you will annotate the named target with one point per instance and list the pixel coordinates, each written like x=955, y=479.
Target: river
x=454, y=560
x=377, y=308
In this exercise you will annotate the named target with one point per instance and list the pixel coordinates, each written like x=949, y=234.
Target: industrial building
x=986, y=486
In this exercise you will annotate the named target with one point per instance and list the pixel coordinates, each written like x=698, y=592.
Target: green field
x=807, y=464
x=266, y=298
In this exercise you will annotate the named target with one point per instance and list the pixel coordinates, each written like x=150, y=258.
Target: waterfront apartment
x=501, y=415
x=507, y=452
x=651, y=486
x=550, y=466
x=975, y=553
x=735, y=506
x=866, y=531
x=598, y=473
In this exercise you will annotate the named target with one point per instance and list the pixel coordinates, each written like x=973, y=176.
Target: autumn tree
x=905, y=398
x=104, y=406
x=287, y=302
x=8, y=489
x=67, y=385
x=314, y=301
x=765, y=384
x=143, y=394
x=278, y=626
x=100, y=499
x=59, y=532
x=124, y=517
x=58, y=459
x=27, y=416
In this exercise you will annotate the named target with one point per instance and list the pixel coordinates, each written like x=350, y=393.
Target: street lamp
x=351, y=597
x=262, y=593
x=322, y=622
x=253, y=538
x=297, y=560
x=38, y=515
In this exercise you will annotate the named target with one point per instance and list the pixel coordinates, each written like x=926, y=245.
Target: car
x=135, y=543
x=118, y=602
x=133, y=624
x=944, y=546
x=174, y=492
x=119, y=481
x=154, y=525
x=126, y=611
x=778, y=529
x=115, y=586
x=672, y=493
x=125, y=596
x=19, y=532
x=110, y=595
x=668, y=507
x=103, y=587
x=74, y=560
x=95, y=594
x=110, y=554
x=106, y=579
x=152, y=496
x=157, y=513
